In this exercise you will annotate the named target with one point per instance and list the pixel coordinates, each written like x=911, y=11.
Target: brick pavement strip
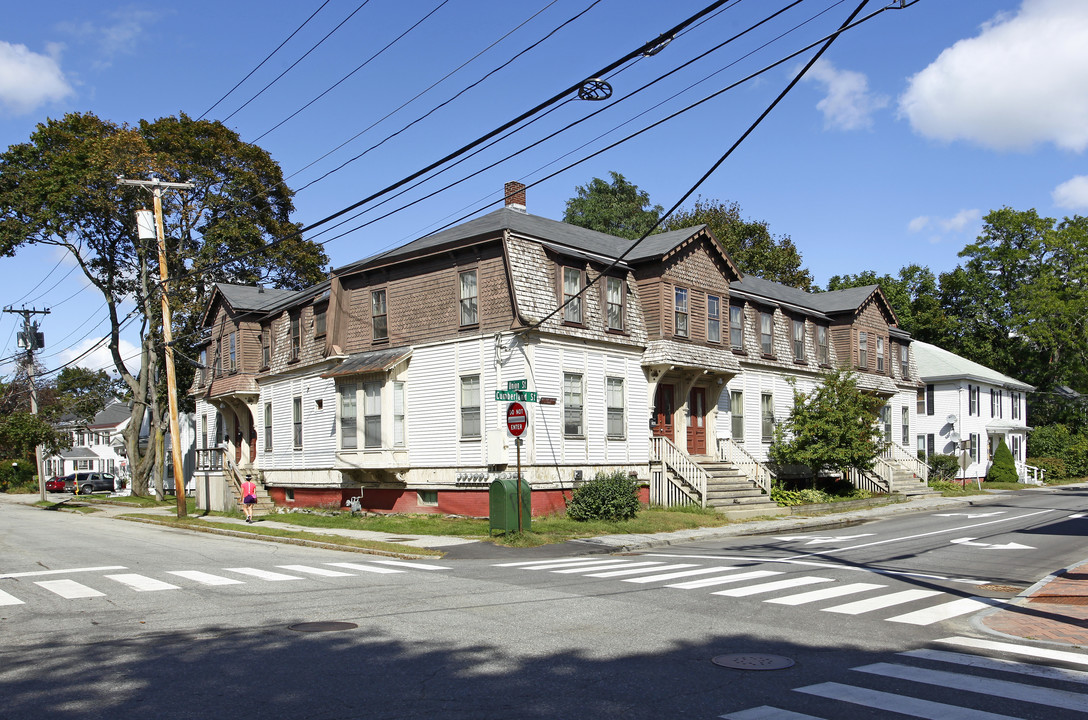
x=1055, y=609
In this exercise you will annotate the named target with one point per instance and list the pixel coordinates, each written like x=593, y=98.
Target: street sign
x=516, y=419
x=517, y=384
x=515, y=396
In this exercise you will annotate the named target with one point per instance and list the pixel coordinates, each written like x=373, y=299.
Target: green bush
x=16, y=475
x=1003, y=467
x=1058, y=441
x=606, y=497
x=1055, y=468
x=944, y=467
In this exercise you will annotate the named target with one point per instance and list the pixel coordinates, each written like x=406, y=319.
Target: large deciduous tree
x=618, y=208
x=60, y=189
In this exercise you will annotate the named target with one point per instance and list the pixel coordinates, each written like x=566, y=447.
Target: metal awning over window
x=370, y=362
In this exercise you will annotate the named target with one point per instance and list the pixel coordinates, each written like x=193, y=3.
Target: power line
x=262, y=62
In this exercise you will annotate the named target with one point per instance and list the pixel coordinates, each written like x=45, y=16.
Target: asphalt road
x=106, y=619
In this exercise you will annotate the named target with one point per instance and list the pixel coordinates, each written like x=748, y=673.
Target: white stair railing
x=873, y=481
x=898, y=454
x=1030, y=474
x=664, y=489
x=732, y=452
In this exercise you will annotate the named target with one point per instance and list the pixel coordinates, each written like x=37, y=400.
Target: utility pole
x=32, y=340
x=156, y=187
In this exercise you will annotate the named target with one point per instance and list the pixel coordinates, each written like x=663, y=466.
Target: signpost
x=516, y=391
x=516, y=422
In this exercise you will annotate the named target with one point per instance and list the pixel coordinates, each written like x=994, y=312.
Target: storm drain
x=322, y=626
x=1001, y=588
x=749, y=661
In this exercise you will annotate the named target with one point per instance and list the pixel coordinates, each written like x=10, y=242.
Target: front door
x=697, y=421
x=663, y=410
x=237, y=439
x=252, y=439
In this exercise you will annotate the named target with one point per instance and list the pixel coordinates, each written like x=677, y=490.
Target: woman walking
x=249, y=497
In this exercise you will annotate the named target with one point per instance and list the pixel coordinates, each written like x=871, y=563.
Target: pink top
x=249, y=488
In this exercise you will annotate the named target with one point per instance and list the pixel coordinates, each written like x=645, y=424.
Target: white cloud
x=848, y=104
x=919, y=223
x=1018, y=83
x=120, y=37
x=28, y=79
x=99, y=358
x=1072, y=194
x=963, y=220
x=960, y=220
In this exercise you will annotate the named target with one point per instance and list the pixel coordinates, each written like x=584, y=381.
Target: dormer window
x=713, y=319
x=736, y=327
x=766, y=332
x=904, y=361
x=266, y=347
x=379, y=315
x=469, y=315
x=681, y=312
x=821, y=345
x=863, y=350
x=799, y=341
x=319, y=320
x=233, y=352
x=614, y=302
x=572, y=295
x=296, y=336
x=880, y=354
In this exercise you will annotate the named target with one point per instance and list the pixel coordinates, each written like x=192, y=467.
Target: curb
x=978, y=621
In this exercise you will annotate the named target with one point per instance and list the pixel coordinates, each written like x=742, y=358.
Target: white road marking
x=766, y=712
x=1013, y=649
x=986, y=686
x=528, y=563
x=595, y=566
x=902, y=704
x=366, y=568
x=38, y=573
x=825, y=594
x=991, y=546
x=262, y=574
x=945, y=611
x=635, y=569
x=6, y=599
x=413, y=565
x=707, y=582
x=823, y=539
x=878, y=603
x=682, y=573
x=830, y=565
x=323, y=572
x=1011, y=666
x=970, y=516
x=69, y=589
x=580, y=564
x=206, y=578
x=141, y=583
x=1073, y=517
x=772, y=586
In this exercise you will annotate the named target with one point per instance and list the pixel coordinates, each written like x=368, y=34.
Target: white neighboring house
x=965, y=409
x=97, y=445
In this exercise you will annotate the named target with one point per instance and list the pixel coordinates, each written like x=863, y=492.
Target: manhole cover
x=1001, y=588
x=748, y=661
x=322, y=626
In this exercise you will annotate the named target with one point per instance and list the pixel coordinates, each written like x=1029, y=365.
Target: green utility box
x=503, y=503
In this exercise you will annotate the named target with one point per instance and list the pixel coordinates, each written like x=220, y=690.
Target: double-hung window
x=736, y=327
x=863, y=350
x=766, y=332
x=1014, y=400
x=372, y=414
x=680, y=308
x=296, y=336
x=470, y=406
x=572, y=298
x=713, y=319
x=349, y=417
x=398, y=414
x=905, y=422
x=614, y=301
x=320, y=326
x=821, y=345
x=904, y=361
x=378, y=315
x=266, y=347
x=296, y=421
x=972, y=400
x=880, y=354
x=267, y=428
x=615, y=408
x=799, y=340
x=469, y=294
x=573, y=410
x=886, y=421
x=233, y=352
x=202, y=373
x=766, y=411
x=736, y=415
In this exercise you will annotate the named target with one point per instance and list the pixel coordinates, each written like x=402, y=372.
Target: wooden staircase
x=264, y=506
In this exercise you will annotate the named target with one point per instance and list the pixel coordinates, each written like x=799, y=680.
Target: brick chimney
x=515, y=195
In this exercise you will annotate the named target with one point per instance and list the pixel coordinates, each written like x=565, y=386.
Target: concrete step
x=737, y=512
x=727, y=502
x=733, y=493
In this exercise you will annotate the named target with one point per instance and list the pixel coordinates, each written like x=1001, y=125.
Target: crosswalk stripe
x=1077, y=516
x=983, y=685
x=945, y=611
x=825, y=594
x=414, y=566
x=878, y=603
x=6, y=599
x=1000, y=664
x=683, y=573
x=773, y=586
x=766, y=712
x=141, y=583
x=69, y=589
x=323, y=572
x=902, y=704
x=206, y=578
x=366, y=568
x=262, y=574
x=1012, y=649
x=633, y=569
x=600, y=566
x=591, y=564
x=529, y=563
x=707, y=582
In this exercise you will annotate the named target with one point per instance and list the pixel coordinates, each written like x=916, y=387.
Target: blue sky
x=913, y=126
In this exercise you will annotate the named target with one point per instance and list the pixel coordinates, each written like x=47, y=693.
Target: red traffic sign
x=516, y=419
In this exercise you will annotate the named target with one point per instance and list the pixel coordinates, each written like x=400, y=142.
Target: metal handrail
x=679, y=462
x=732, y=452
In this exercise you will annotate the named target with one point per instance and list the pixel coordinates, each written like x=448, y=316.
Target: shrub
x=606, y=497
x=16, y=475
x=944, y=467
x=1003, y=467
x=1055, y=468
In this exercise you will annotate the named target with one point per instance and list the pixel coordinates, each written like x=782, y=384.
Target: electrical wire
x=262, y=62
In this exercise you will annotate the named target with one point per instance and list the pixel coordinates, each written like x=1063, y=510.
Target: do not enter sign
x=516, y=419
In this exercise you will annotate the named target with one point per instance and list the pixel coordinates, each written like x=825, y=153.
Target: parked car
x=88, y=482
x=54, y=484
